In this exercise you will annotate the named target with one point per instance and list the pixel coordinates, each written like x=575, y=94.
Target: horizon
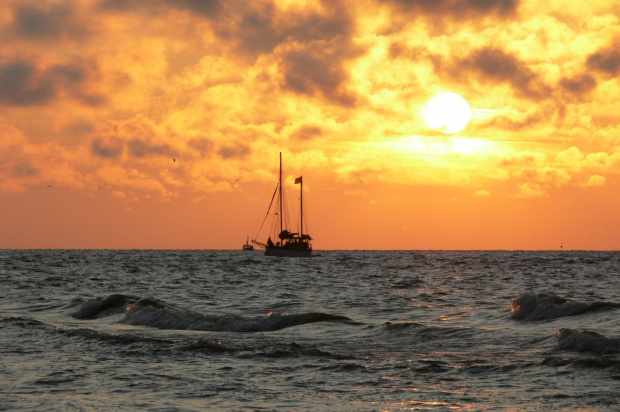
x=258, y=250
x=448, y=125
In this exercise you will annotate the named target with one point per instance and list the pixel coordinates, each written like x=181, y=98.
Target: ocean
x=346, y=330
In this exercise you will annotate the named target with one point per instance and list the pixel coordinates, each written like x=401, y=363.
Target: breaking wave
x=531, y=306
x=158, y=314
x=104, y=306
x=584, y=340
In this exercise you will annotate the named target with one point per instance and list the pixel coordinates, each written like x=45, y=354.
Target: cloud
x=458, y=9
x=25, y=169
x=203, y=8
x=595, y=181
x=498, y=66
x=579, y=85
x=201, y=145
x=143, y=148
x=482, y=193
x=138, y=137
x=570, y=157
x=23, y=84
x=109, y=148
x=341, y=72
x=207, y=8
x=607, y=61
x=46, y=20
x=233, y=152
x=24, y=164
x=265, y=27
x=531, y=190
x=306, y=133
x=317, y=70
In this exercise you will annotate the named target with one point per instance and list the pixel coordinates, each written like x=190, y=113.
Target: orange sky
x=98, y=96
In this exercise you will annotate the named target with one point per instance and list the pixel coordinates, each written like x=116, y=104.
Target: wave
x=145, y=313
x=103, y=306
x=158, y=314
x=123, y=339
x=426, y=332
x=136, y=342
x=22, y=322
x=531, y=306
x=592, y=362
x=584, y=340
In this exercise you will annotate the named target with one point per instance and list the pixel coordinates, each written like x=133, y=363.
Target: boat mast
x=280, y=188
x=301, y=201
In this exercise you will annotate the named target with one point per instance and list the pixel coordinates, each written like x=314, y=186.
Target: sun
x=448, y=113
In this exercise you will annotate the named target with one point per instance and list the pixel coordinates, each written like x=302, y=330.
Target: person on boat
x=270, y=242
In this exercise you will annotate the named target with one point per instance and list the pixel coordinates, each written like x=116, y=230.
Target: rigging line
x=268, y=210
x=258, y=217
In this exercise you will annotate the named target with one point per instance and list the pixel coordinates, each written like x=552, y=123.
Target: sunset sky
x=97, y=97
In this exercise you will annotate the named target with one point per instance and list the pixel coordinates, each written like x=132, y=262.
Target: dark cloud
x=46, y=20
x=578, y=85
x=79, y=128
x=121, y=5
x=32, y=21
x=22, y=84
x=143, y=148
x=230, y=152
x=459, y=9
x=605, y=61
x=110, y=148
x=495, y=65
x=25, y=169
x=319, y=70
x=316, y=65
x=201, y=145
x=261, y=27
x=252, y=27
x=307, y=133
x=205, y=8
x=489, y=6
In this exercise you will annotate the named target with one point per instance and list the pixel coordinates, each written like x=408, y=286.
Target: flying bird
x=174, y=160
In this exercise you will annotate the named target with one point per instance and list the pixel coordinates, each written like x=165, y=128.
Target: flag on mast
x=298, y=180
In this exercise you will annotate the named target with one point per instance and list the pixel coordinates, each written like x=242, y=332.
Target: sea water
x=346, y=330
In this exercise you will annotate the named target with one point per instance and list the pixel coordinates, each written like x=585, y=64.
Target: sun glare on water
x=448, y=113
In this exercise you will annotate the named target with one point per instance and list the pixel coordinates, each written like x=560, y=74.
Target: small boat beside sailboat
x=288, y=243
x=247, y=247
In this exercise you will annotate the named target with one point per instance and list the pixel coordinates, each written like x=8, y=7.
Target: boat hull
x=276, y=251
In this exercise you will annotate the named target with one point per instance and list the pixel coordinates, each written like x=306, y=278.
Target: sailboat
x=290, y=244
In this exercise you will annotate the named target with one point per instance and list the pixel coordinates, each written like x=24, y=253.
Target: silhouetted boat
x=290, y=244
x=247, y=247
